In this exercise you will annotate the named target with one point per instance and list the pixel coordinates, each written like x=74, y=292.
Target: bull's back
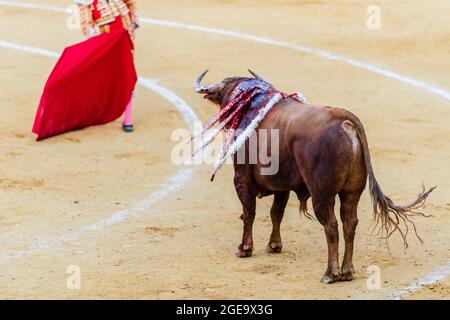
x=307, y=134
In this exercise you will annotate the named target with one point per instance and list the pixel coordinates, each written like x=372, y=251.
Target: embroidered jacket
x=96, y=15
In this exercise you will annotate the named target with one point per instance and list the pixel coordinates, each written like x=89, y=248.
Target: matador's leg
x=127, y=125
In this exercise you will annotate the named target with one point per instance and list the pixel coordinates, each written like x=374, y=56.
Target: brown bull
x=323, y=153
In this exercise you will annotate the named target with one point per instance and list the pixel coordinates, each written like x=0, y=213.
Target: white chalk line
x=24, y=5
x=38, y=51
x=434, y=277
x=174, y=184
x=254, y=38
x=321, y=53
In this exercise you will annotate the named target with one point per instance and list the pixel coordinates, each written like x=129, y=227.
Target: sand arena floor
x=179, y=242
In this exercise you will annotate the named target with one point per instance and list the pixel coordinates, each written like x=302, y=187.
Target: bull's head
x=218, y=92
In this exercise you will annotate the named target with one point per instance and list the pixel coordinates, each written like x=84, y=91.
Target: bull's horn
x=197, y=86
x=209, y=89
x=255, y=75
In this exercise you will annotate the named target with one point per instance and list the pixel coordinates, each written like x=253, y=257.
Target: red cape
x=90, y=85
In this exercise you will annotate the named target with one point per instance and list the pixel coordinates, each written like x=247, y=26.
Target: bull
x=323, y=153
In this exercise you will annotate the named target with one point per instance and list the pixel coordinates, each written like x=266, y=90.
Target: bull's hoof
x=347, y=274
x=274, y=247
x=330, y=278
x=244, y=251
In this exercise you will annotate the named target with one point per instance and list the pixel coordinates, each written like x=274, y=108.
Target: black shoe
x=128, y=127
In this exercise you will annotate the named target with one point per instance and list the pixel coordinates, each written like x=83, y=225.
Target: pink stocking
x=127, y=113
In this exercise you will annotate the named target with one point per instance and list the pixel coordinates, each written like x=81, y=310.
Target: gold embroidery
x=108, y=13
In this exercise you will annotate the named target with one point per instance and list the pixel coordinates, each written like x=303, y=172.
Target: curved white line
x=41, y=52
x=321, y=53
x=432, y=278
x=173, y=185
x=190, y=118
x=24, y=5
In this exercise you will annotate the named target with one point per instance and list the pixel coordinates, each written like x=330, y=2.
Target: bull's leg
x=324, y=211
x=245, y=249
x=276, y=214
x=349, y=218
x=247, y=195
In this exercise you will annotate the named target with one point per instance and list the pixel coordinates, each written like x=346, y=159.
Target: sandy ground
x=183, y=246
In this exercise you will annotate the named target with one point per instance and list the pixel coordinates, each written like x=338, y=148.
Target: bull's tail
x=388, y=216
